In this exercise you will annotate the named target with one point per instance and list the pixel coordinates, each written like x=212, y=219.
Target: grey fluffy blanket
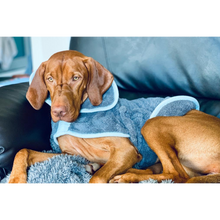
x=58, y=169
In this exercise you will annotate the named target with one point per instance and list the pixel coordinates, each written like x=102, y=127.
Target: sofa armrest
x=21, y=126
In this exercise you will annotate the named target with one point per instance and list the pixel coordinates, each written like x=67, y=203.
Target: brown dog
x=188, y=147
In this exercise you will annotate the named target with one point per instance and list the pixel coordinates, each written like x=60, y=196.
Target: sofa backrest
x=158, y=65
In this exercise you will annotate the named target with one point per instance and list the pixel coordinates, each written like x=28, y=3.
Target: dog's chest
x=94, y=150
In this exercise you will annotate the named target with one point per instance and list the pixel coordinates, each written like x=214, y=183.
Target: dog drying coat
x=121, y=118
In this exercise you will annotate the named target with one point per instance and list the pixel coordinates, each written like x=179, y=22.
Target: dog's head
x=71, y=78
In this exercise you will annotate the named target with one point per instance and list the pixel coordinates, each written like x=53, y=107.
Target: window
x=23, y=56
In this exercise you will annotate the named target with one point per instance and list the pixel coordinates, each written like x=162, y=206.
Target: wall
x=43, y=47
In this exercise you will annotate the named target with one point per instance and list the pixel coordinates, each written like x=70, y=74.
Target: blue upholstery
x=160, y=66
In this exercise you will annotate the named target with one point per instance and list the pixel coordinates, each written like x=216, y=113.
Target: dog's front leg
x=123, y=155
x=23, y=159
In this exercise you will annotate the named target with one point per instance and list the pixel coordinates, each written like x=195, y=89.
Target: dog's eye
x=50, y=79
x=75, y=78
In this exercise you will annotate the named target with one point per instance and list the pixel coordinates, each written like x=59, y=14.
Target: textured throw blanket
x=58, y=169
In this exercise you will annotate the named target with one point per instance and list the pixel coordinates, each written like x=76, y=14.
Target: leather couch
x=142, y=67
x=20, y=125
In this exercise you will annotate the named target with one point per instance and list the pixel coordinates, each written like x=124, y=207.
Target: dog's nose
x=59, y=111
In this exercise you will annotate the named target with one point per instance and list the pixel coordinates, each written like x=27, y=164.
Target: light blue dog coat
x=121, y=118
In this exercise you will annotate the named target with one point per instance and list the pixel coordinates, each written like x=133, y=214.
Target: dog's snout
x=59, y=111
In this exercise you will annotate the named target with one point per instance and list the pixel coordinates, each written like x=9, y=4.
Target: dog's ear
x=37, y=91
x=100, y=79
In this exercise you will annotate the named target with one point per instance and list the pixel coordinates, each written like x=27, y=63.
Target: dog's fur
x=188, y=147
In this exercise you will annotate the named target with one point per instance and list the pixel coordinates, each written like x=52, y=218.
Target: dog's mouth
x=63, y=118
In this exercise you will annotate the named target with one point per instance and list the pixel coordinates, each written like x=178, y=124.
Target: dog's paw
x=125, y=178
x=18, y=179
x=92, y=167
